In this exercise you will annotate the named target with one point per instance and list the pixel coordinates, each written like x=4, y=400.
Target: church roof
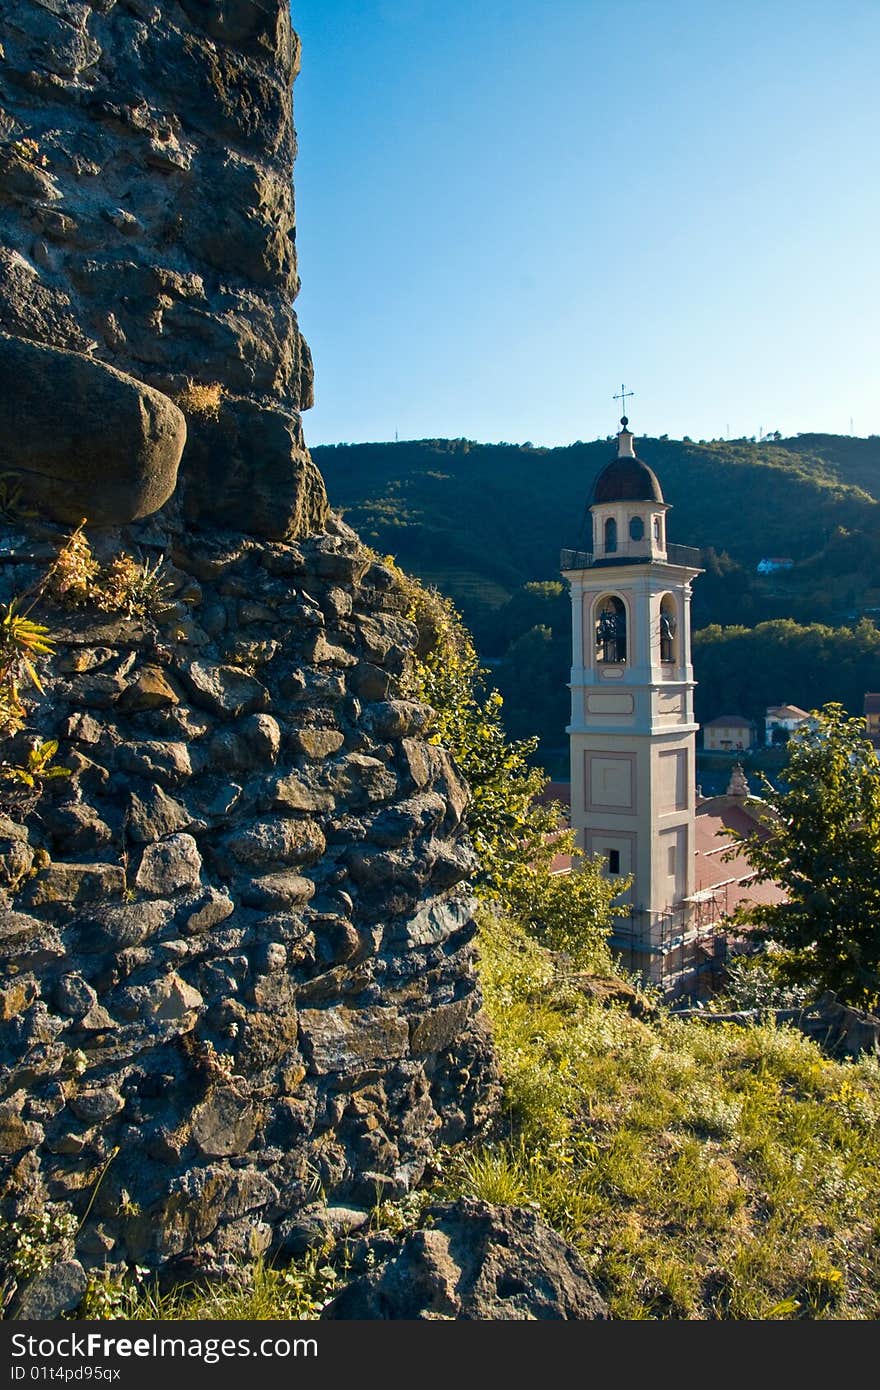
x=721, y=871
x=626, y=478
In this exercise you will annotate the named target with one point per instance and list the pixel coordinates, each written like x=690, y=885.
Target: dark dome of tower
x=627, y=479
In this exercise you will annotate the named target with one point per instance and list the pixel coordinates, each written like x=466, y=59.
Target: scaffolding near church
x=682, y=950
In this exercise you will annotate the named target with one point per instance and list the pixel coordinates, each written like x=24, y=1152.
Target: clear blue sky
x=507, y=207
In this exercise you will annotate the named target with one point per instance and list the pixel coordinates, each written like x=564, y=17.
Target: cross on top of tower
x=621, y=396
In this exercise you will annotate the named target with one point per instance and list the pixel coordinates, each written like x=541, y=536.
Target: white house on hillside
x=787, y=717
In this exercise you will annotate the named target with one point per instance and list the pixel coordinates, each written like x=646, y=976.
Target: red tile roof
x=555, y=791
x=721, y=883
x=726, y=881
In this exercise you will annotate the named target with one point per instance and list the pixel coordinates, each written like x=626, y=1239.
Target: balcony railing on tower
x=626, y=554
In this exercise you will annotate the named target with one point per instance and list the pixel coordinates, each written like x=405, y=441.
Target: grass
x=702, y=1172
x=261, y=1292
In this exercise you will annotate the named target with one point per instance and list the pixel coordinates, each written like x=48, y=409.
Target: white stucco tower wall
x=632, y=730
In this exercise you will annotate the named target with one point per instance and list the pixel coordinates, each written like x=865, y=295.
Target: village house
x=728, y=733
x=783, y=717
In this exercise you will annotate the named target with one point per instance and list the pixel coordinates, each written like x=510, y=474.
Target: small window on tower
x=670, y=860
x=657, y=529
x=636, y=529
x=610, y=535
x=614, y=861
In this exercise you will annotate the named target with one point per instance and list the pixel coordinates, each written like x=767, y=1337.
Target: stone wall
x=236, y=944
x=236, y=960
x=147, y=222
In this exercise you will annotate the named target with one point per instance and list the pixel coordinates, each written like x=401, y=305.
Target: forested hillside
x=485, y=523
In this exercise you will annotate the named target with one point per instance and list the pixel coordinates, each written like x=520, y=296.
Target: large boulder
x=84, y=439
x=471, y=1260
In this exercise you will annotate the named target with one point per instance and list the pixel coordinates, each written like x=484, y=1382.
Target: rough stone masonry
x=236, y=960
x=147, y=223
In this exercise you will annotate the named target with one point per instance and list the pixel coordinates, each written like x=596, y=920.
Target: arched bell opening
x=610, y=630
x=669, y=634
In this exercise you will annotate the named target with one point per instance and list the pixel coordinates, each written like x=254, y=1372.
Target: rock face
x=471, y=1260
x=147, y=222
x=236, y=943
x=56, y=1291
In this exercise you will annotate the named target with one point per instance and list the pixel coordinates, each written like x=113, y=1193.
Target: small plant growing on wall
x=31, y=1245
x=136, y=588
x=139, y=590
x=28, y=150
x=38, y=768
x=73, y=577
x=201, y=399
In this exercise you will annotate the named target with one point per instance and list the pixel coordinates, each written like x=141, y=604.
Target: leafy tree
x=515, y=837
x=820, y=840
x=506, y=825
x=569, y=913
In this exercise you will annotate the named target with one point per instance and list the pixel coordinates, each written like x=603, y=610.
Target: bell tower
x=632, y=730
